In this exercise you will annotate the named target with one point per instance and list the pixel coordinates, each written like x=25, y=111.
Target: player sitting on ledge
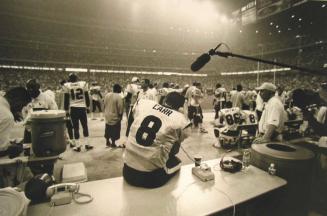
x=154, y=140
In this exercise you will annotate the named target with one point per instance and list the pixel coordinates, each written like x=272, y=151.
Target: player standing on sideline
x=195, y=111
x=153, y=142
x=163, y=92
x=219, y=101
x=95, y=92
x=77, y=102
x=132, y=91
x=146, y=92
x=113, y=110
x=238, y=98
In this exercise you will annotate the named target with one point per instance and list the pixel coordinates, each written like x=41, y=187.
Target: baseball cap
x=267, y=86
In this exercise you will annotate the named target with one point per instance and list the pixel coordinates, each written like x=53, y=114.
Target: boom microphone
x=200, y=62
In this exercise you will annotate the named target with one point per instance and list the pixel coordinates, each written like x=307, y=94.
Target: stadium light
x=76, y=69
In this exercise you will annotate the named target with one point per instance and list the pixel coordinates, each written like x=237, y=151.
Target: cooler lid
x=46, y=114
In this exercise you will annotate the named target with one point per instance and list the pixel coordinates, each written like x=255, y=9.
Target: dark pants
x=96, y=104
x=152, y=179
x=112, y=131
x=79, y=114
x=195, y=114
x=69, y=127
x=220, y=105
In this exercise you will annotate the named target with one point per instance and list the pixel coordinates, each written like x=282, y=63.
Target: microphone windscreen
x=200, y=62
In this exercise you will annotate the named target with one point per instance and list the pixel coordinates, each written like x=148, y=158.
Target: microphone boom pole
x=229, y=54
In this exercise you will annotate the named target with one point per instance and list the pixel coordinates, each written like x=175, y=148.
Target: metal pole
x=258, y=68
x=274, y=73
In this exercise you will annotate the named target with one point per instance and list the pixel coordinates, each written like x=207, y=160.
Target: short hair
x=33, y=84
x=116, y=88
x=175, y=100
x=72, y=77
x=165, y=85
x=62, y=82
x=218, y=85
x=146, y=81
x=239, y=87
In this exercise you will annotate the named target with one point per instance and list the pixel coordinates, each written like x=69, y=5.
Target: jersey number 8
x=148, y=129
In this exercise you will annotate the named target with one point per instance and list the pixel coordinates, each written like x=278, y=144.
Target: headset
x=231, y=166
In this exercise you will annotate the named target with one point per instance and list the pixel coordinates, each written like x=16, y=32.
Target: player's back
x=250, y=117
x=231, y=117
x=95, y=92
x=153, y=133
x=220, y=94
x=76, y=90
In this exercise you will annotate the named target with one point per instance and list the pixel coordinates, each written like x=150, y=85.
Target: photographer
x=314, y=110
x=308, y=101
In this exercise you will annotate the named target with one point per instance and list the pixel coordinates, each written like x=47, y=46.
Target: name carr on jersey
x=162, y=109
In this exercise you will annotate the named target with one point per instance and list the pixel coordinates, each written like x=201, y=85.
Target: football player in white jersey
x=146, y=92
x=95, y=92
x=77, y=102
x=154, y=140
x=132, y=91
x=219, y=101
x=226, y=127
x=163, y=92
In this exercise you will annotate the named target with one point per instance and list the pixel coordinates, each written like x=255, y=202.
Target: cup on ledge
x=197, y=160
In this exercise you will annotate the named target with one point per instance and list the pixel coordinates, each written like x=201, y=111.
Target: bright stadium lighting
x=224, y=19
x=76, y=69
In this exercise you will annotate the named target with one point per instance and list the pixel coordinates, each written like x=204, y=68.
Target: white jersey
x=250, y=117
x=133, y=89
x=95, y=93
x=220, y=94
x=51, y=94
x=41, y=102
x=76, y=90
x=147, y=95
x=231, y=118
x=153, y=133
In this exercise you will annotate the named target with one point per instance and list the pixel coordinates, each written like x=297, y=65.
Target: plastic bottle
x=246, y=158
x=272, y=169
